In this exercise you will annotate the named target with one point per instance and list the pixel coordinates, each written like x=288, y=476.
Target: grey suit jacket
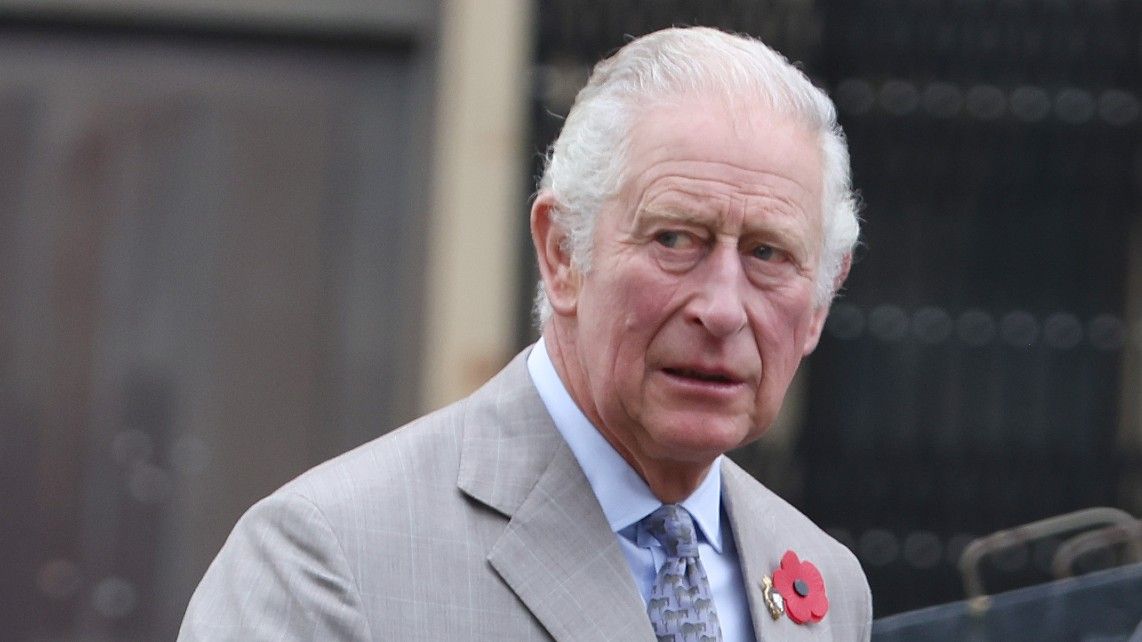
x=476, y=523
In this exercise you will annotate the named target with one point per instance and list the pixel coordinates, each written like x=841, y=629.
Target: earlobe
x=816, y=326
x=560, y=279
x=821, y=314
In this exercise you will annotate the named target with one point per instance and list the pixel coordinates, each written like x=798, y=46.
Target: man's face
x=699, y=304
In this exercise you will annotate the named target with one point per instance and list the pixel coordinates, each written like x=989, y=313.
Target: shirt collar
x=621, y=492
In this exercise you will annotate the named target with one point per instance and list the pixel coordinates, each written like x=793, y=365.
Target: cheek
x=636, y=309
x=640, y=298
x=782, y=329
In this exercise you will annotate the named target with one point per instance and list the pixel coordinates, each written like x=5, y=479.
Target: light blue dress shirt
x=626, y=499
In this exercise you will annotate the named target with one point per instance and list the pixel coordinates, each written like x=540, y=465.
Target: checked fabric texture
x=681, y=605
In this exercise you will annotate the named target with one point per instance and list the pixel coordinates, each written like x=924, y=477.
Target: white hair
x=586, y=164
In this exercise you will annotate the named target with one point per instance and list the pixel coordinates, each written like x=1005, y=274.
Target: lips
x=702, y=375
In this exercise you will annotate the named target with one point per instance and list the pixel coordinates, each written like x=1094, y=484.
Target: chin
x=702, y=439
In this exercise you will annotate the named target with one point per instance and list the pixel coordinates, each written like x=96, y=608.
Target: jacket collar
x=763, y=531
x=557, y=552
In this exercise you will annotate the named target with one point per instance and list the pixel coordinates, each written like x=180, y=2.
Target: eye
x=767, y=253
x=677, y=250
x=674, y=239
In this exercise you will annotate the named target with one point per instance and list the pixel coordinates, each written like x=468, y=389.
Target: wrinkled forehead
x=750, y=147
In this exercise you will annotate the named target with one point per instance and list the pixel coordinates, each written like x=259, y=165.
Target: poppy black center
x=801, y=587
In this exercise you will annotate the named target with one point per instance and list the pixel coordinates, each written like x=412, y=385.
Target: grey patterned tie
x=681, y=605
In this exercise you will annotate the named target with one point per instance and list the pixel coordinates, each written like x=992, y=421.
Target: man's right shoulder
x=427, y=448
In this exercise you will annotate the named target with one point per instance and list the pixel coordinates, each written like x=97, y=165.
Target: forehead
x=703, y=149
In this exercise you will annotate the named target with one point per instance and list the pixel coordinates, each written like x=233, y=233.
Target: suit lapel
x=762, y=538
x=561, y=558
x=755, y=542
x=557, y=552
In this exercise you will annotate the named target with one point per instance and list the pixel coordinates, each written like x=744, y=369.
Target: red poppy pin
x=798, y=589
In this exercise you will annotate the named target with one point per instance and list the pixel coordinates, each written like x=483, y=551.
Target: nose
x=718, y=304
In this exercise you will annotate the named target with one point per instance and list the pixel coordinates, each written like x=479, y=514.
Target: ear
x=560, y=279
x=817, y=325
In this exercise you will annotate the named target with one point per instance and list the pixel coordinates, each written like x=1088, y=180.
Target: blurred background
x=239, y=238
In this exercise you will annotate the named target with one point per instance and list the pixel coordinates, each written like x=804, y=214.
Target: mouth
x=704, y=376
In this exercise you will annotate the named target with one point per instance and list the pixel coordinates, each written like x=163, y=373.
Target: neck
x=670, y=481
x=672, y=485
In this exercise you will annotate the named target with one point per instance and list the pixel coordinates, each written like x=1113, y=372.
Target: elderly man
x=693, y=223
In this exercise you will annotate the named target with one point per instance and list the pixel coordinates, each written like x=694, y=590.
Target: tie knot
x=673, y=527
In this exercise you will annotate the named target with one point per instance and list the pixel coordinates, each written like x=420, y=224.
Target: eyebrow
x=685, y=207
x=699, y=211
x=681, y=215
x=780, y=228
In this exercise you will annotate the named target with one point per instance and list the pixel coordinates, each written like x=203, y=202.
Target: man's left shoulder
x=742, y=490
x=766, y=527
x=745, y=494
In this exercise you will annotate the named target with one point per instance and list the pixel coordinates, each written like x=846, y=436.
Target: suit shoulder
x=788, y=519
x=783, y=511
x=427, y=448
x=773, y=526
